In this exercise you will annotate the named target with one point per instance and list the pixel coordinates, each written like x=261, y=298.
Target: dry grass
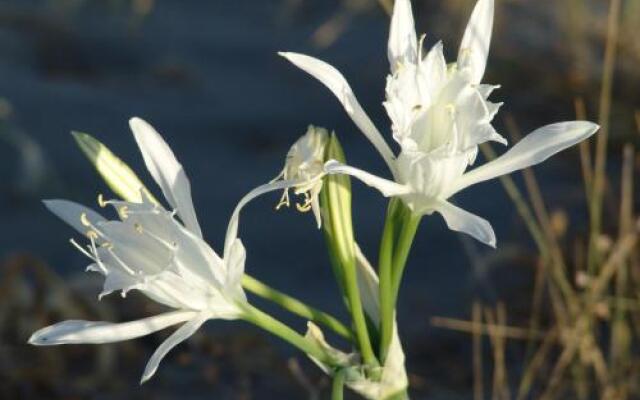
x=588, y=347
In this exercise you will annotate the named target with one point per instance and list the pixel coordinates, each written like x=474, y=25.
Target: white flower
x=305, y=162
x=440, y=114
x=150, y=250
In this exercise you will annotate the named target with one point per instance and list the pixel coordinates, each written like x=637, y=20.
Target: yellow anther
x=84, y=219
x=101, y=202
x=305, y=206
x=91, y=234
x=284, y=200
x=123, y=212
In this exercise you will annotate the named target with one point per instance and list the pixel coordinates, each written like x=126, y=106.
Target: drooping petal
x=71, y=212
x=474, y=48
x=403, y=43
x=533, y=149
x=90, y=332
x=334, y=80
x=183, y=333
x=386, y=187
x=463, y=221
x=232, y=228
x=166, y=171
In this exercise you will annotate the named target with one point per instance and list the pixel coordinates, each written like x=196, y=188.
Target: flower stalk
x=341, y=243
x=265, y=321
x=399, y=231
x=295, y=306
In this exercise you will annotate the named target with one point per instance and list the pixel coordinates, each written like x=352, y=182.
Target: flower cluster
x=440, y=113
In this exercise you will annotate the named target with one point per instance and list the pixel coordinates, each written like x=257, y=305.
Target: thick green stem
x=267, y=322
x=337, y=390
x=338, y=194
x=295, y=306
x=402, y=249
x=385, y=274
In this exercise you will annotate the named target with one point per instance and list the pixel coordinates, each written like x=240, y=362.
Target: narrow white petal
x=166, y=171
x=183, y=333
x=533, y=149
x=232, y=228
x=90, y=332
x=463, y=221
x=386, y=187
x=403, y=43
x=71, y=212
x=474, y=48
x=334, y=80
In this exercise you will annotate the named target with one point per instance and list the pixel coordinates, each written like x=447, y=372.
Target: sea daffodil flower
x=440, y=114
x=305, y=162
x=149, y=249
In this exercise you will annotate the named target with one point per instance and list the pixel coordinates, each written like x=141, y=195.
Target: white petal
x=463, y=221
x=533, y=149
x=386, y=187
x=71, y=212
x=90, y=332
x=403, y=43
x=166, y=171
x=368, y=285
x=474, y=48
x=334, y=80
x=183, y=333
x=232, y=228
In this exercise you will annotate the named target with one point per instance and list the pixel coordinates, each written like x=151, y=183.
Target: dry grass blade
x=489, y=328
x=585, y=151
x=496, y=322
x=595, y=209
x=537, y=361
x=478, y=374
x=622, y=249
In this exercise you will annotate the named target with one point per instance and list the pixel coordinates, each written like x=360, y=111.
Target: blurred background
x=207, y=76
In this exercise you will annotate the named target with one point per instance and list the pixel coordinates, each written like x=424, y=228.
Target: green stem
x=337, y=391
x=402, y=249
x=295, y=306
x=267, y=322
x=327, y=227
x=385, y=273
x=348, y=260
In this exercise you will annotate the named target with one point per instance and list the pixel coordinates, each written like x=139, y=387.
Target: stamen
x=305, y=206
x=123, y=212
x=84, y=219
x=284, y=200
x=82, y=249
x=169, y=245
x=101, y=202
x=97, y=257
x=94, y=232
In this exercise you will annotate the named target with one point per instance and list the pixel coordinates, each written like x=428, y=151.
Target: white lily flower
x=440, y=114
x=305, y=162
x=150, y=250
